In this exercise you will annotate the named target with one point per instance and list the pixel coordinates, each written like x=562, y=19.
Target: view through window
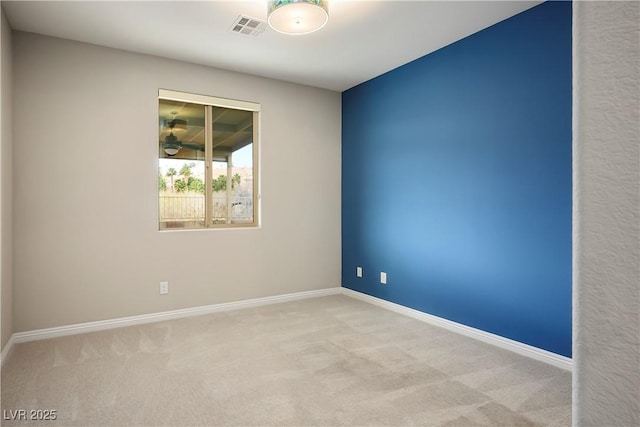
x=207, y=162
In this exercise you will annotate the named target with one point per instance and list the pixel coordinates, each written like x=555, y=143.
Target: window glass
x=232, y=163
x=181, y=171
x=206, y=168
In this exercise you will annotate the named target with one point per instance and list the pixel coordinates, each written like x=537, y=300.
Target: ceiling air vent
x=248, y=26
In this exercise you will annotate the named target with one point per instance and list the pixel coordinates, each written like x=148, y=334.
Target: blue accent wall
x=456, y=181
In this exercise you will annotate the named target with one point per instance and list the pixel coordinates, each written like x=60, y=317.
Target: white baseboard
x=79, y=328
x=489, y=338
x=6, y=350
x=505, y=343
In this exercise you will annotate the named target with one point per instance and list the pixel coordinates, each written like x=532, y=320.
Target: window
x=207, y=162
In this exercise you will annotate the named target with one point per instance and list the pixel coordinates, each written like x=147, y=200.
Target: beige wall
x=86, y=244
x=6, y=245
x=606, y=197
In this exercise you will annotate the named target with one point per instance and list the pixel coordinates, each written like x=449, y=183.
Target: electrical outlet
x=383, y=277
x=164, y=288
x=358, y=271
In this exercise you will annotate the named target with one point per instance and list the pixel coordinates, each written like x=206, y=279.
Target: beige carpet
x=317, y=362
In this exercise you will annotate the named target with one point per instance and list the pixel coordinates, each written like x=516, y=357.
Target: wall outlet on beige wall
x=164, y=288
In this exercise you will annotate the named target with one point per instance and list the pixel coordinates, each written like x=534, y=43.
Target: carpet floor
x=329, y=361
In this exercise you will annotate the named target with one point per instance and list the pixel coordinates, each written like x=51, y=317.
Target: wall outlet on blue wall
x=358, y=271
x=383, y=277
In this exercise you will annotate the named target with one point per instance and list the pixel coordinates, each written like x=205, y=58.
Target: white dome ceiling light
x=298, y=17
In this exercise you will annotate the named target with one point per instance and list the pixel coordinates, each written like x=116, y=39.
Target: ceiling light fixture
x=298, y=16
x=171, y=145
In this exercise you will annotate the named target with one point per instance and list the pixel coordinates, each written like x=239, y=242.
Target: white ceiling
x=362, y=39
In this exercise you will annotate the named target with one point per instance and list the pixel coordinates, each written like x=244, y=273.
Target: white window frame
x=209, y=102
